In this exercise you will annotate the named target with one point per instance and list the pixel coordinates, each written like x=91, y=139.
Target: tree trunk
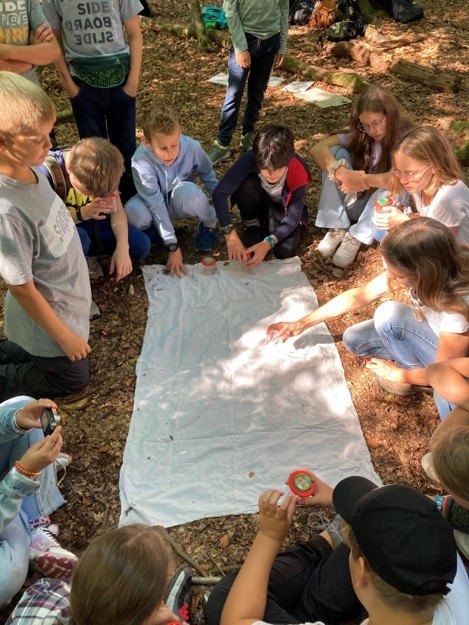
x=203, y=37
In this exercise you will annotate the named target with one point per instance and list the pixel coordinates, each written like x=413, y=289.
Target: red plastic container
x=209, y=264
x=382, y=204
x=301, y=482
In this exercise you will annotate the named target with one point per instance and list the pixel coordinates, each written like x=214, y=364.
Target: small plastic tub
x=209, y=265
x=301, y=482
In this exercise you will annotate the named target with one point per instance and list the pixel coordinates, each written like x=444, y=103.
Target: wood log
x=432, y=78
x=64, y=116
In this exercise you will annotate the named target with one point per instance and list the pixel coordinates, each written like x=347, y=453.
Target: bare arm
x=61, y=66
x=120, y=261
x=449, y=380
x=346, y=302
x=132, y=28
x=18, y=67
x=347, y=179
x=39, y=309
x=42, y=50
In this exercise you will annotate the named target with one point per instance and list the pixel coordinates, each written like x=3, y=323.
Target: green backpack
x=214, y=17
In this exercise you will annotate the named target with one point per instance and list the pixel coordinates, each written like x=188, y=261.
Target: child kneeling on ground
x=28, y=493
x=268, y=185
x=164, y=168
x=87, y=177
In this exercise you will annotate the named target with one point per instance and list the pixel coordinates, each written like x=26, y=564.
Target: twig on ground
x=181, y=553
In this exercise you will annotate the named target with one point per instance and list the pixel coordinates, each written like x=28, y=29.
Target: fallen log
x=432, y=78
x=64, y=116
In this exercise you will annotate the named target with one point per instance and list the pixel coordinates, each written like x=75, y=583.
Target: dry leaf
x=224, y=541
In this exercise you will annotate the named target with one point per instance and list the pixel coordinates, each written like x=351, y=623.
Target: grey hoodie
x=155, y=181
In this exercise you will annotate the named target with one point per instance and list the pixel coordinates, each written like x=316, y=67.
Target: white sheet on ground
x=220, y=414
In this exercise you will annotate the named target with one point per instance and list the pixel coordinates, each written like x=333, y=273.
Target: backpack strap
x=57, y=175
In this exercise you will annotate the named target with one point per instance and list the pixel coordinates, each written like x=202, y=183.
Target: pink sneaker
x=48, y=557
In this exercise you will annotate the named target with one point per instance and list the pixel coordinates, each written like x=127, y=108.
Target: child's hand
x=42, y=34
x=235, y=247
x=121, y=264
x=259, y=252
x=275, y=520
x=284, y=330
x=43, y=453
x=99, y=208
x=29, y=416
x=175, y=266
x=244, y=59
x=351, y=180
x=74, y=346
x=389, y=219
x=279, y=60
x=322, y=495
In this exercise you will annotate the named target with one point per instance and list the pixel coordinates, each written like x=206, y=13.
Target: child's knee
x=386, y=313
x=189, y=197
x=13, y=572
x=138, y=214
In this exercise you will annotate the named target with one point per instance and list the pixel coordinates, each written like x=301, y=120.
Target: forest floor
x=175, y=72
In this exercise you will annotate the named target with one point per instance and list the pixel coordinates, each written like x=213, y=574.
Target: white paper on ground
x=222, y=79
x=298, y=86
x=220, y=414
x=322, y=98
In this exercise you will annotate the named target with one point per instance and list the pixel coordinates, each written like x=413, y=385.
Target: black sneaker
x=251, y=236
x=178, y=598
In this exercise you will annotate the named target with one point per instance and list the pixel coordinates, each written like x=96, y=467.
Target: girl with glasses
x=421, y=257
x=425, y=166
x=356, y=162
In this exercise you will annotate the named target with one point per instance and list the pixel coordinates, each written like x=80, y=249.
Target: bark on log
x=203, y=38
x=64, y=116
x=439, y=81
x=350, y=81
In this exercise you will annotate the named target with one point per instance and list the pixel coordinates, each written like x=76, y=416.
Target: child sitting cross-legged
x=87, y=178
x=164, y=168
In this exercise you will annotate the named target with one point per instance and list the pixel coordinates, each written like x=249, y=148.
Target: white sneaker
x=48, y=557
x=346, y=252
x=331, y=242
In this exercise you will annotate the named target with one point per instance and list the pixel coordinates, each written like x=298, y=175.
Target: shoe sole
x=51, y=566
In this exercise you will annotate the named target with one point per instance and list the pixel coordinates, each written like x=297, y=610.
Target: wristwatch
x=227, y=229
x=79, y=215
x=331, y=169
x=172, y=247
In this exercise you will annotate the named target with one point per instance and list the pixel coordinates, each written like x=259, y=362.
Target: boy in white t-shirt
x=402, y=564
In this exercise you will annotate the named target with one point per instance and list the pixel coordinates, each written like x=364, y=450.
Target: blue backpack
x=214, y=17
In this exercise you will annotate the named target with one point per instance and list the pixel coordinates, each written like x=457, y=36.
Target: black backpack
x=401, y=10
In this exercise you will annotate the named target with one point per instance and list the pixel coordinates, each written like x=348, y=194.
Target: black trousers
x=254, y=203
x=308, y=583
x=24, y=374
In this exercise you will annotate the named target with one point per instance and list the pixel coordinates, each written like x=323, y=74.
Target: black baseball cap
x=401, y=533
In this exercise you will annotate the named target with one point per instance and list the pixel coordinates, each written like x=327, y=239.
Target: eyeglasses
x=374, y=125
x=411, y=175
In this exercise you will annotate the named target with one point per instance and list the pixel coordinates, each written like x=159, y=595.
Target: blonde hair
x=121, y=578
x=24, y=105
x=160, y=120
x=97, y=164
x=431, y=147
x=450, y=457
x=390, y=596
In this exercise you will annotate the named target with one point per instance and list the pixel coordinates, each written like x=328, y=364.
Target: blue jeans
x=396, y=334
x=263, y=53
x=108, y=113
x=15, y=537
x=98, y=238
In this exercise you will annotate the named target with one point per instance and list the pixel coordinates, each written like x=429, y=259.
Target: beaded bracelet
x=32, y=474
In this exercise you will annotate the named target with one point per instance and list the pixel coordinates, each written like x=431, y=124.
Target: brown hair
x=160, y=120
x=430, y=146
x=97, y=164
x=121, y=577
x=274, y=147
x=450, y=457
x=375, y=99
x=426, y=249
x=24, y=105
x=390, y=596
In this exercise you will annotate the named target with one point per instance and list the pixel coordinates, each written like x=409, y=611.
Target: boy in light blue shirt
x=164, y=168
